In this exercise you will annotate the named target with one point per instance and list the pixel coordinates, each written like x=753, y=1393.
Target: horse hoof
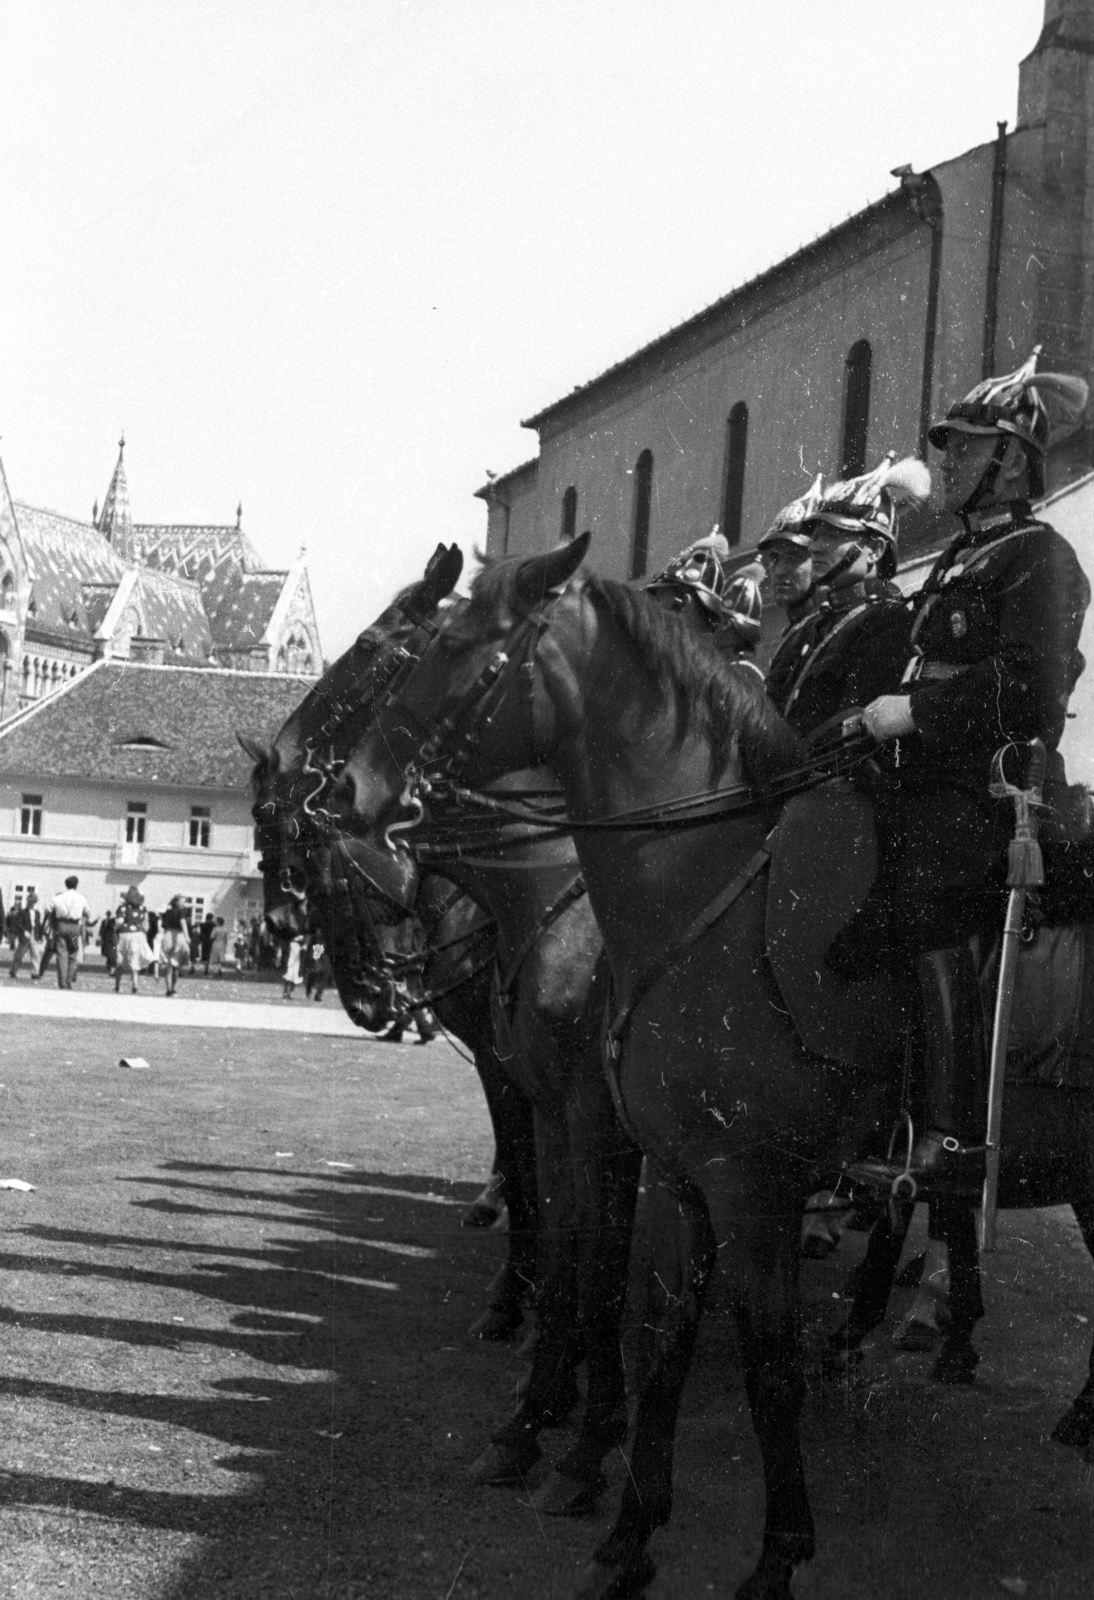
x=560, y=1495
x=956, y=1366
x=916, y=1335
x=480, y=1215
x=502, y=1466
x=601, y=1582
x=1075, y=1427
x=496, y=1324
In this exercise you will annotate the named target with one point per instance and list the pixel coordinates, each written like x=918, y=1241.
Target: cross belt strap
x=569, y=896
x=680, y=946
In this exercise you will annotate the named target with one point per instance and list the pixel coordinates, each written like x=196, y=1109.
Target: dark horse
x=737, y=1120
x=308, y=874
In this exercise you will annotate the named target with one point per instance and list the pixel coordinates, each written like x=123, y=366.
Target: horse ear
x=251, y=747
x=442, y=574
x=535, y=577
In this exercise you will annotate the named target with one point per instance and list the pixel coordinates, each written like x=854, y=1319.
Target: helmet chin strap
x=985, y=488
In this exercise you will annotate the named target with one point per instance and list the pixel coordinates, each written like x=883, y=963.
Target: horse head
x=312, y=875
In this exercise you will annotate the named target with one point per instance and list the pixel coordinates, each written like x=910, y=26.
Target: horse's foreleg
x=682, y=1255
x=760, y=1255
x=550, y=1393
x=515, y=1166
x=958, y=1358
x=874, y=1285
x=606, y=1167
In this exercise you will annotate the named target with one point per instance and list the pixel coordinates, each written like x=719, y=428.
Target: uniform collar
x=981, y=527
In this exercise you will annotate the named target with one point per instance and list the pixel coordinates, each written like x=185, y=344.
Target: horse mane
x=713, y=699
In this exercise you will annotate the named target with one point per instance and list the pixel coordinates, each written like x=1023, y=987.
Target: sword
x=1025, y=871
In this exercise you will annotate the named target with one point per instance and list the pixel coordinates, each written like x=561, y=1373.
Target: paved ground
x=233, y=1364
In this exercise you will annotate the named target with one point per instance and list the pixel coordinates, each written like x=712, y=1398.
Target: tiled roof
x=240, y=605
x=189, y=547
x=63, y=556
x=173, y=611
x=191, y=714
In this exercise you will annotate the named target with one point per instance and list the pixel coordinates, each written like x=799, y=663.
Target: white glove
x=889, y=717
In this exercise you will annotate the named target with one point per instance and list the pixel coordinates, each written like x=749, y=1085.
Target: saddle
x=824, y=862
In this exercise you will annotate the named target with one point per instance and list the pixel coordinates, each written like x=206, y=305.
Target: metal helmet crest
x=791, y=523
x=743, y=608
x=1017, y=403
x=870, y=503
x=699, y=570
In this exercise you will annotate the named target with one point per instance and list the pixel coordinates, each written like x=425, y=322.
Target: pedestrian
x=69, y=915
x=205, y=940
x=154, y=942
x=108, y=940
x=26, y=934
x=293, y=954
x=175, y=928
x=319, y=968
x=132, y=950
x=218, y=948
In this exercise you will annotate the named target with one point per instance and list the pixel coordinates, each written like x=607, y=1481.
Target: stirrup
x=904, y=1187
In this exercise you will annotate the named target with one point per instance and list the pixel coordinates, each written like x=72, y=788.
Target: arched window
x=856, y=409
x=733, y=487
x=569, y=513
x=643, y=498
x=26, y=675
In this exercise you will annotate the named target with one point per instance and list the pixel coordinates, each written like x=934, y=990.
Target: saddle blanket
x=823, y=863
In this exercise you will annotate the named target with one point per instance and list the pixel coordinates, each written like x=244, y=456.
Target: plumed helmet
x=869, y=504
x=743, y=608
x=791, y=525
x=1018, y=403
x=698, y=570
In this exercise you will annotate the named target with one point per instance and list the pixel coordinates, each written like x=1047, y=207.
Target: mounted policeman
x=847, y=620
x=995, y=657
x=726, y=607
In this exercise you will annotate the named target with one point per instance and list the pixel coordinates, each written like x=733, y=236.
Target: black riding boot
x=947, y=1159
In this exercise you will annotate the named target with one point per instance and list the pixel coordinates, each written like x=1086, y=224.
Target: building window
x=199, y=827
x=569, y=513
x=22, y=890
x=733, y=490
x=30, y=815
x=856, y=409
x=136, y=815
x=643, y=499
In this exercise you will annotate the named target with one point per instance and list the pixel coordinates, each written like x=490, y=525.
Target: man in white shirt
x=70, y=915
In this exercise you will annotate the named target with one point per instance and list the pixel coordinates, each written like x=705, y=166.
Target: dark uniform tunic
x=996, y=641
x=843, y=649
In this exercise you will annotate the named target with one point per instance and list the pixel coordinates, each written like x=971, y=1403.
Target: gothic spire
x=115, y=523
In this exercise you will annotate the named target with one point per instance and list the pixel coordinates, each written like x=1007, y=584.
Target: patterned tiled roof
x=190, y=547
x=173, y=611
x=240, y=605
x=177, y=726
x=238, y=595
x=63, y=556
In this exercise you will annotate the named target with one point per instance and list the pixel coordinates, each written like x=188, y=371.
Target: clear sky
x=322, y=257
